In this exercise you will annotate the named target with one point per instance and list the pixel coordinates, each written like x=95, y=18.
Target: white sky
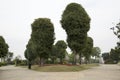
x=16, y=17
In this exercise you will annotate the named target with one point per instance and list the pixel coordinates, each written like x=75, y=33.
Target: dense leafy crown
x=42, y=35
x=74, y=17
x=76, y=22
x=3, y=47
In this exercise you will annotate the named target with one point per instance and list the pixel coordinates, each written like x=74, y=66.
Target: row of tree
x=76, y=22
x=114, y=55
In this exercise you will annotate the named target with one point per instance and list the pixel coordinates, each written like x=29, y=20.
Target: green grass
x=119, y=63
x=63, y=68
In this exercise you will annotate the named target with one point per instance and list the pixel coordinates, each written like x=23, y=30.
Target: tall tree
x=43, y=37
x=76, y=22
x=61, y=47
x=87, y=52
x=3, y=48
x=115, y=55
x=30, y=53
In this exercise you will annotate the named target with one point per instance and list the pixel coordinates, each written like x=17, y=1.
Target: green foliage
x=96, y=52
x=117, y=30
x=87, y=52
x=30, y=53
x=23, y=63
x=105, y=56
x=61, y=48
x=3, y=47
x=71, y=58
x=9, y=57
x=76, y=22
x=17, y=60
x=3, y=64
x=54, y=54
x=42, y=37
x=115, y=55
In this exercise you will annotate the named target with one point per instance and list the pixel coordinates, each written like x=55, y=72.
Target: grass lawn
x=63, y=68
x=119, y=63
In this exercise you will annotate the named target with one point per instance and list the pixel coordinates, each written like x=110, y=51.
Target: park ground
x=103, y=72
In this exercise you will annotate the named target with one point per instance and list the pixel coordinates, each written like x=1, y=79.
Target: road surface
x=103, y=72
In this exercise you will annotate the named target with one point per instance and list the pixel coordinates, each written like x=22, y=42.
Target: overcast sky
x=16, y=17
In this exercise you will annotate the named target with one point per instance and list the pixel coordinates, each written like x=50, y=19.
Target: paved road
x=104, y=72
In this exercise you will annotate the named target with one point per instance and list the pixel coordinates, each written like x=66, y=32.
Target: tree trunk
x=29, y=64
x=86, y=61
x=76, y=58
x=95, y=59
x=61, y=61
x=80, y=57
x=3, y=59
x=53, y=61
x=41, y=62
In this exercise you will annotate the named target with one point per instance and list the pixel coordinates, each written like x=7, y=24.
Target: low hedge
x=3, y=64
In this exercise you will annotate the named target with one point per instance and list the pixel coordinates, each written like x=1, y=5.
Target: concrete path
x=104, y=72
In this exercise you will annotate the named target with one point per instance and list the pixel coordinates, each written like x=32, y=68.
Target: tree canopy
x=3, y=47
x=76, y=22
x=42, y=36
x=87, y=52
x=61, y=48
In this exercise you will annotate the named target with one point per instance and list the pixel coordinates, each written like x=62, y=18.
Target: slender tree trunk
x=29, y=64
x=80, y=57
x=61, y=61
x=95, y=59
x=76, y=58
x=53, y=60
x=3, y=59
x=41, y=62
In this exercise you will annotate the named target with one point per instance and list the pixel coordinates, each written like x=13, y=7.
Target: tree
x=30, y=53
x=61, y=48
x=116, y=31
x=9, y=57
x=106, y=56
x=3, y=48
x=17, y=60
x=87, y=52
x=76, y=22
x=96, y=52
x=115, y=55
x=42, y=37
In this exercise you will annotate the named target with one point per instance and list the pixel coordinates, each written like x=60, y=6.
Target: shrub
x=3, y=64
x=23, y=63
x=110, y=61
